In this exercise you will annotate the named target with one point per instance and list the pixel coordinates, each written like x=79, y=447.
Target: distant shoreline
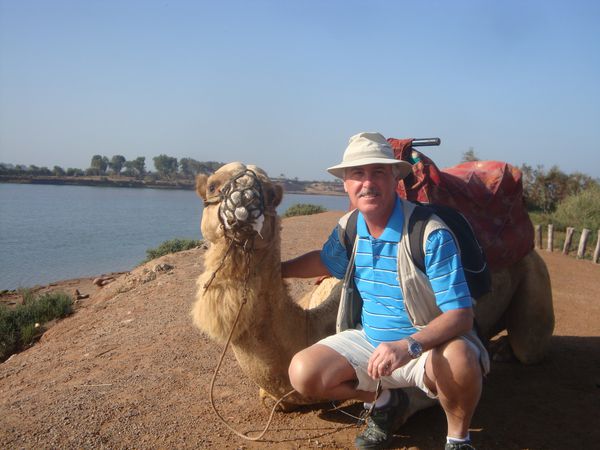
x=290, y=186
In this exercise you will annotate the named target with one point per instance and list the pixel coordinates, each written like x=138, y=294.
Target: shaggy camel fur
x=272, y=327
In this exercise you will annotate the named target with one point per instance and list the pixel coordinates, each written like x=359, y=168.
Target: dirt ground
x=128, y=370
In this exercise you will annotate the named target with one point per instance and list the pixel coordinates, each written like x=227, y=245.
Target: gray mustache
x=368, y=192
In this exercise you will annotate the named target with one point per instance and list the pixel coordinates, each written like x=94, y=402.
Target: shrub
x=27, y=295
x=580, y=211
x=303, y=209
x=171, y=246
x=17, y=325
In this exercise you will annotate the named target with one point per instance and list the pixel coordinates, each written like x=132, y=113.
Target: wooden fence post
x=538, y=236
x=597, y=251
x=550, y=245
x=568, y=239
x=582, y=243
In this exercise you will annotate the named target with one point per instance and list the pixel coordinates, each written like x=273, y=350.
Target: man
x=414, y=329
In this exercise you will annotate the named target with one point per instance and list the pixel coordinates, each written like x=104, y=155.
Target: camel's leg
x=530, y=316
x=490, y=313
x=490, y=309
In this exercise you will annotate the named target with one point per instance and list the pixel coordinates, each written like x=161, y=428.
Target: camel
x=243, y=264
x=272, y=327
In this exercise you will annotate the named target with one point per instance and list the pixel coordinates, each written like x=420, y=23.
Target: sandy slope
x=128, y=370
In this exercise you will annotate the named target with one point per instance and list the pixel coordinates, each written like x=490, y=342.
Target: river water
x=50, y=233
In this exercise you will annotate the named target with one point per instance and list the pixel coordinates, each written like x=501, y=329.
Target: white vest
x=419, y=298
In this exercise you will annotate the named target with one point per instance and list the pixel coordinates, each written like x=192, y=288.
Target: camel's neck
x=236, y=263
x=271, y=327
x=254, y=280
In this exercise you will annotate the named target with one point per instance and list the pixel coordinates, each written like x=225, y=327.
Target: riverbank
x=290, y=186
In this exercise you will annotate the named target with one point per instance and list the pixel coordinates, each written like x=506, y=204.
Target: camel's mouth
x=242, y=207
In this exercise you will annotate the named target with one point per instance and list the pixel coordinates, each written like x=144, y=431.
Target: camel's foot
x=501, y=351
x=268, y=401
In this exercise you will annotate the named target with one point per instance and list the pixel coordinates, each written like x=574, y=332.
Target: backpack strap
x=416, y=233
x=350, y=232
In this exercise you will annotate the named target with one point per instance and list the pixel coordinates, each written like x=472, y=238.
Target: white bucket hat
x=368, y=148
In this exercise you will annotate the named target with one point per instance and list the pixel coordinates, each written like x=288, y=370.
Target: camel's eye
x=212, y=187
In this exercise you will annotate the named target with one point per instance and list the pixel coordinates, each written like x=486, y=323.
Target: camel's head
x=239, y=204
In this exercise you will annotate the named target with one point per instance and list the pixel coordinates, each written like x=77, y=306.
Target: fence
x=583, y=241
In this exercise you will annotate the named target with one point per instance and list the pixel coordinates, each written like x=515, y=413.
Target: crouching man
x=396, y=324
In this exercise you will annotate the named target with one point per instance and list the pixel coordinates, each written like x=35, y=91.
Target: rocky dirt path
x=128, y=370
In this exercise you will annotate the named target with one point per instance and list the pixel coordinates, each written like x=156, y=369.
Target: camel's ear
x=275, y=195
x=201, y=185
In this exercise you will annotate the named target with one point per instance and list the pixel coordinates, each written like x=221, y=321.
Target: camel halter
x=241, y=204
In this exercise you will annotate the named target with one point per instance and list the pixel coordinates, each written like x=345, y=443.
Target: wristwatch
x=415, y=349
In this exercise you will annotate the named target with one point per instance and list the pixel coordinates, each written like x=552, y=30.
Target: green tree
x=189, y=167
x=139, y=165
x=98, y=165
x=545, y=190
x=579, y=182
x=136, y=167
x=73, y=172
x=116, y=163
x=128, y=169
x=541, y=189
x=581, y=210
x=469, y=156
x=209, y=167
x=166, y=166
x=58, y=171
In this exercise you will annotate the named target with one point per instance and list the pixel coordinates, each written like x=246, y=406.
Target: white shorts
x=353, y=345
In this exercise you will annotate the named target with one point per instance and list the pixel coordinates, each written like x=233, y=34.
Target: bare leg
x=320, y=372
x=453, y=371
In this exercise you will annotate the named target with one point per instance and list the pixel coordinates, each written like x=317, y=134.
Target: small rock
x=79, y=295
x=102, y=281
x=150, y=276
x=164, y=267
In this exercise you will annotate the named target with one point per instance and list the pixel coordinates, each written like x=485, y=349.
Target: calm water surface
x=50, y=233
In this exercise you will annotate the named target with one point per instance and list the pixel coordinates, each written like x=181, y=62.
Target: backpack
x=477, y=273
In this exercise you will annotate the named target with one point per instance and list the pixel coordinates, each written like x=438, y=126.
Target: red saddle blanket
x=488, y=193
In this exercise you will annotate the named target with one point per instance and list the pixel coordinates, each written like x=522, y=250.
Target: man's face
x=371, y=188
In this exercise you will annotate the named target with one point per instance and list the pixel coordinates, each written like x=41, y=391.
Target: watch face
x=414, y=348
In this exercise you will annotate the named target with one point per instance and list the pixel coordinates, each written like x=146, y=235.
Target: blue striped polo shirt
x=384, y=317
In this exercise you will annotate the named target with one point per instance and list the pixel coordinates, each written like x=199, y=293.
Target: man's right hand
x=387, y=357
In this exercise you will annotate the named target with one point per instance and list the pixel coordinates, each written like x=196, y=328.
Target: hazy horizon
x=285, y=84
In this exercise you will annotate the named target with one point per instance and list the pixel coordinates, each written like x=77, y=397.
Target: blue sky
x=284, y=84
